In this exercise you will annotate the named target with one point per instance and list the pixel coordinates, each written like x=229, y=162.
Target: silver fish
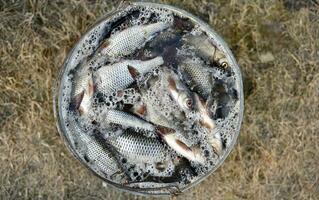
x=127, y=120
x=179, y=92
x=207, y=49
x=198, y=75
x=118, y=76
x=191, y=153
x=206, y=121
x=131, y=39
x=96, y=153
x=139, y=148
x=83, y=90
x=153, y=115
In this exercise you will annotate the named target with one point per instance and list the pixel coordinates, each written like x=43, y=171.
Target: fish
x=83, y=90
x=139, y=149
x=203, y=114
x=111, y=78
x=191, y=153
x=206, y=121
x=125, y=119
x=207, y=49
x=96, y=153
x=129, y=40
x=155, y=116
x=198, y=76
x=179, y=92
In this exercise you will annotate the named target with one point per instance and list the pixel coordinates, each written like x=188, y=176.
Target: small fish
x=118, y=76
x=205, y=120
x=129, y=40
x=207, y=49
x=83, y=90
x=127, y=120
x=180, y=93
x=198, y=75
x=96, y=153
x=191, y=153
x=139, y=148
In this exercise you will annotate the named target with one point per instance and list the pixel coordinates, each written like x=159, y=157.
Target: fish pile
x=147, y=101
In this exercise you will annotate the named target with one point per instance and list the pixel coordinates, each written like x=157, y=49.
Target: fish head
x=180, y=94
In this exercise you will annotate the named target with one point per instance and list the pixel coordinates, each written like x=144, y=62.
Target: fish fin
x=206, y=124
x=161, y=166
x=172, y=83
x=91, y=87
x=133, y=71
x=183, y=145
x=105, y=44
x=141, y=110
x=75, y=105
x=162, y=130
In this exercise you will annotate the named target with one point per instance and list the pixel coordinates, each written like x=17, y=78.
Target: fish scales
x=128, y=120
x=131, y=39
x=199, y=76
x=117, y=76
x=96, y=153
x=139, y=148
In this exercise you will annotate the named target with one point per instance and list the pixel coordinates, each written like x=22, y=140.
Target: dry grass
x=276, y=156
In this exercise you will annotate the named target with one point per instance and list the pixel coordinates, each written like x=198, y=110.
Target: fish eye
x=189, y=103
x=224, y=64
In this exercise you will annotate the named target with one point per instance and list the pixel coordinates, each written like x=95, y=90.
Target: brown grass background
x=276, y=156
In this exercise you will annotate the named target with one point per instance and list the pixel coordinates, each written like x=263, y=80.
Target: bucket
x=150, y=99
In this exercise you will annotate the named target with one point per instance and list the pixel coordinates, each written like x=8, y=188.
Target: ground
x=276, y=44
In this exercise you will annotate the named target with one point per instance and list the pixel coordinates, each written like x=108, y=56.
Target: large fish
x=139, y=148
x=131, y=39
x=118, y=76
x=83, y=90
x=127, y=120
x=198, y=76
x=206, y=121
x=179, y=92
x=191, y=153
x=207, y=49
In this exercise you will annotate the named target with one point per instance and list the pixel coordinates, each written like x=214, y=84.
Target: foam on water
x=150, y=89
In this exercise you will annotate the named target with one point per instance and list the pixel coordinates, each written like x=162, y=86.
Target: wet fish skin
x=126, y=119
x=117, y=76
x=139, y=148
x=154, y=116
x=191, y=153
x=207, y=49
x=180, y=93
x=198, y=76
x=131, y=39
x=96, y=152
